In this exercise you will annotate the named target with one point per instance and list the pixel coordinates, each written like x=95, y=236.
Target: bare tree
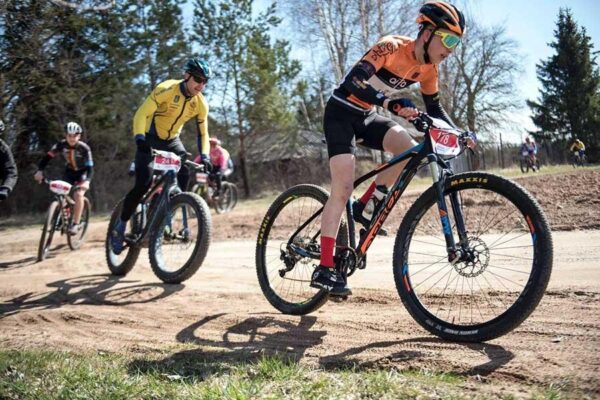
x=346, y=29
x=478, y=83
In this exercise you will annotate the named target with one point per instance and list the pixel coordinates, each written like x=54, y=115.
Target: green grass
x=190, y=374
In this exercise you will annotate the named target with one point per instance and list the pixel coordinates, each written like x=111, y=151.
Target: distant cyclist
x=529, y=149
x=78, y=170
x=8, y=168
x=157, y=125
x=577, y=147
x=220, y=161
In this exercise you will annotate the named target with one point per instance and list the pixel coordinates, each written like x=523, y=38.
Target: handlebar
x=423, y=123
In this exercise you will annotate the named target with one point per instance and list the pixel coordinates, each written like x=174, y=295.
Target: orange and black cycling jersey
x=167, y=108
x=388, y=67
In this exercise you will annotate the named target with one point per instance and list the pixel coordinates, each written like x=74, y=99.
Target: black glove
x=422, y=122
x=4, y=192
x=398, y=104
x=142, y=145
x=205, y=160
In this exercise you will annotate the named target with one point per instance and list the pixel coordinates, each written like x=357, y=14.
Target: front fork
x=439, y=182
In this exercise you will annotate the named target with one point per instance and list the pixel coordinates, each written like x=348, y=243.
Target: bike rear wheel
x=234, y=196
x=121, y=264
x=180, y=242
x=284, y=270
x=50, y=225
x=222, y=202
x=75, y=241
x=495, y=290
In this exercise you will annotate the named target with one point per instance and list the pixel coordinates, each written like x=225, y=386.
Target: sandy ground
x=69, y=301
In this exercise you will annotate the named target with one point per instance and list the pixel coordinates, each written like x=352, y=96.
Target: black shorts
x=345, y=128
x=74, y=177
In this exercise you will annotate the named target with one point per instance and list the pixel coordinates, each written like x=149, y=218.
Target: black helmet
x=442, y=15
x=198, y=67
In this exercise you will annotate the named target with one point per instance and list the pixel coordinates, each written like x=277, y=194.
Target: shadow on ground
x=99, y=289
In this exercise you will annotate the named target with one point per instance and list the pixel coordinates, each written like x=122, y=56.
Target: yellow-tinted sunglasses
x=449, y=40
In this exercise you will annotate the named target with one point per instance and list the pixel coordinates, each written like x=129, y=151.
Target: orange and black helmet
x=442, y=15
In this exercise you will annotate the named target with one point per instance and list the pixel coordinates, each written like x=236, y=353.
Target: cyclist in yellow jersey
x=157, y=125
x=391, y=65
x=577, y=146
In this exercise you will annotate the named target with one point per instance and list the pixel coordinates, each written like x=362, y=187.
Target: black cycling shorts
x=344, y=128
x=74, y=177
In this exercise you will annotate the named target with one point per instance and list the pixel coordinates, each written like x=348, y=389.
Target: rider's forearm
x=89, y=172
x=434, y=108
x=9, y=166
x=202, y=140
x=356, y=82
x=44, y=162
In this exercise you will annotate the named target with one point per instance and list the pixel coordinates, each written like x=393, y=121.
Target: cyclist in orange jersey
x=392, y=64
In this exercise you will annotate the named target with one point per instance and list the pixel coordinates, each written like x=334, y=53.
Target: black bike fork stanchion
x=453, y=255
x=458, y=218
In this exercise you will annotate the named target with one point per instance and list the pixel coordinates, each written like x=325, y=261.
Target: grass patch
x=39, y=374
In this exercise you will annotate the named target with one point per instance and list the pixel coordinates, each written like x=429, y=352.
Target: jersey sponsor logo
x=381, y=50
x=393, y=80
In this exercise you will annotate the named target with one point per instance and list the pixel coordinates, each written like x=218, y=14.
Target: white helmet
x=73, y=128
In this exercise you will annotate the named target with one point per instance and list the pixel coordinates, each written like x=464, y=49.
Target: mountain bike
x=174, y=225
x=472, y=256
x=578, y=159
x=206, y=188
x=526, y=163
x=60, y=216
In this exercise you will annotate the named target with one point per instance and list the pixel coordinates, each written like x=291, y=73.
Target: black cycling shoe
x=330, y=280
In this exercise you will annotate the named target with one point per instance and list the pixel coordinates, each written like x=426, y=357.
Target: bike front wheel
x=50, y=225
x=180, y=242
x=506, y=265
x=75, y=241
x=284, y=265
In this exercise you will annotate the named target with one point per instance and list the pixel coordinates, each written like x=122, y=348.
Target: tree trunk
x=242, y=134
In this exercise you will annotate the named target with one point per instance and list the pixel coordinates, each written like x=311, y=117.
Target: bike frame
x=418, y=156
x=167, y=181
x=64, y=201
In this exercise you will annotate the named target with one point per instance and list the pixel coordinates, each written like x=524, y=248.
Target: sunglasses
x=449, y=40
x=199, y=79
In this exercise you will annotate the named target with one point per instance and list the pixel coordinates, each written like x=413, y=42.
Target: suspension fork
x=439, y=183
x=64, y=204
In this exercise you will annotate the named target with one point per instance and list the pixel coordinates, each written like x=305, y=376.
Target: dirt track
x=70, y=302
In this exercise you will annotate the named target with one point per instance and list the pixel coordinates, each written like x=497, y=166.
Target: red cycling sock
x=327, y=246
x=365, y=197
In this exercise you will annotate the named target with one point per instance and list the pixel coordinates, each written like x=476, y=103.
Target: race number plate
x=167, y=161
x=444, y=143
x=60, y=187
x=201, y=177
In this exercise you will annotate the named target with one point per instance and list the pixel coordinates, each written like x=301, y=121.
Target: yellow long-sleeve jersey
x=167, y=108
